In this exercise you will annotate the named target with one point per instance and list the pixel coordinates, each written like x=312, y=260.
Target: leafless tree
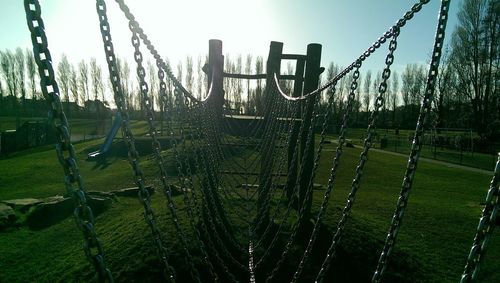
x=366, y=90
x=250, y=101
x=475, y=57
x=153, y=83
x=394, y=95
x=31, y=72
x=83, y=81
x=63, y=76
x=259, y=67
x=73, y=85
x=200, y=78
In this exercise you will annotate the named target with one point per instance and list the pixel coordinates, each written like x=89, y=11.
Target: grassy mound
x=433, y=244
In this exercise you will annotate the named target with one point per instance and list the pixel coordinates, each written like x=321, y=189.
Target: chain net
x=244, y=190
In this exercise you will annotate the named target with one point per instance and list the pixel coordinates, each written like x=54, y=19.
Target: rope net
x=246, y=181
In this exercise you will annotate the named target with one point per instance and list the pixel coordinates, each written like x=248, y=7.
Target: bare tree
x=366, y=90
x=126, y=83
x=444, y=88
x=63, y=75
x=96, y=79
x=407, y=82
x=32, y=72
x=331, y=72
x=73, y=84
x=250, y=101
x=21, y=76
x=153, y=83
x=228, y=83
x=8, y=68
x=394, y=95
x=259, y=67
x=475, y=57
x=238, y=85
x=200, y=78
x=375, y=91
x=83, y=81
x=97, y=90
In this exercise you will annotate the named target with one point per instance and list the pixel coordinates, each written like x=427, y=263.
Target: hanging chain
x=308, y=193
x=333, y=170
x=484, y=228
x=416, y=144
x=65, y=151
x=381, y=40
x=379, y=103
x=148, y=105
x=133, y=155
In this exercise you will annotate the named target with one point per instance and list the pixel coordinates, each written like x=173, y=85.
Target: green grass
x=401, y=143
x=441, y=217
x=433, y=244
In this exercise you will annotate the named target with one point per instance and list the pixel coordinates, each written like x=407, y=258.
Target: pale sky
x=183, y=27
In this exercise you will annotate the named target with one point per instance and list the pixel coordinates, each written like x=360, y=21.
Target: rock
x=98, y=203
x=23, y=205
x=317, y=186
x=7, y=216
x=101, y=194
x=132, y=192
x=51, y=211
x=176, y=190
x=348, y=143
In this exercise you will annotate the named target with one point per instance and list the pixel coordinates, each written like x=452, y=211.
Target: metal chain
x=66, y=155
x=193, y=120
x=148, y=105
x=210, y=200
x=416, y=144
x=363, y=156
x=301, y=214
x=188, y=176
x=182, y=180
x=133, y=155
x=379, y=42
x=484, y=228
x=281, y=164
x=333, y=170
x=289, y=206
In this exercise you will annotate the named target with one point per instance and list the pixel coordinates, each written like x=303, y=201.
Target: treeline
x=466, y=93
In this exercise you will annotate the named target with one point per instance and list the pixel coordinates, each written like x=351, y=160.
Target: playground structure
x=109, y=138
x=282, y=154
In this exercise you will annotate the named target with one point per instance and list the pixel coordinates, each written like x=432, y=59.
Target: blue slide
x=109, y=138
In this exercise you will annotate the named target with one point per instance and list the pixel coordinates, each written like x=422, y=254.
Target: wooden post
x=273, y=66
x=311, y=81
x=293, y=167
x=216, y=102
x=215, y=71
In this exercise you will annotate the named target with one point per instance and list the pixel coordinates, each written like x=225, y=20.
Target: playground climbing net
x=254, y=180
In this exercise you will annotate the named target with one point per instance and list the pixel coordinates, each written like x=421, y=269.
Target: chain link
x=148, y=106
x=379, y=103
x=416, y=144
x=66, y=155
x=133, y=155
x=379, y=42
x=484, y=228
x=333, y=170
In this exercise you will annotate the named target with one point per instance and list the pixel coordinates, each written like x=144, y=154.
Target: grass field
x=433, y=244
x=401, y=143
